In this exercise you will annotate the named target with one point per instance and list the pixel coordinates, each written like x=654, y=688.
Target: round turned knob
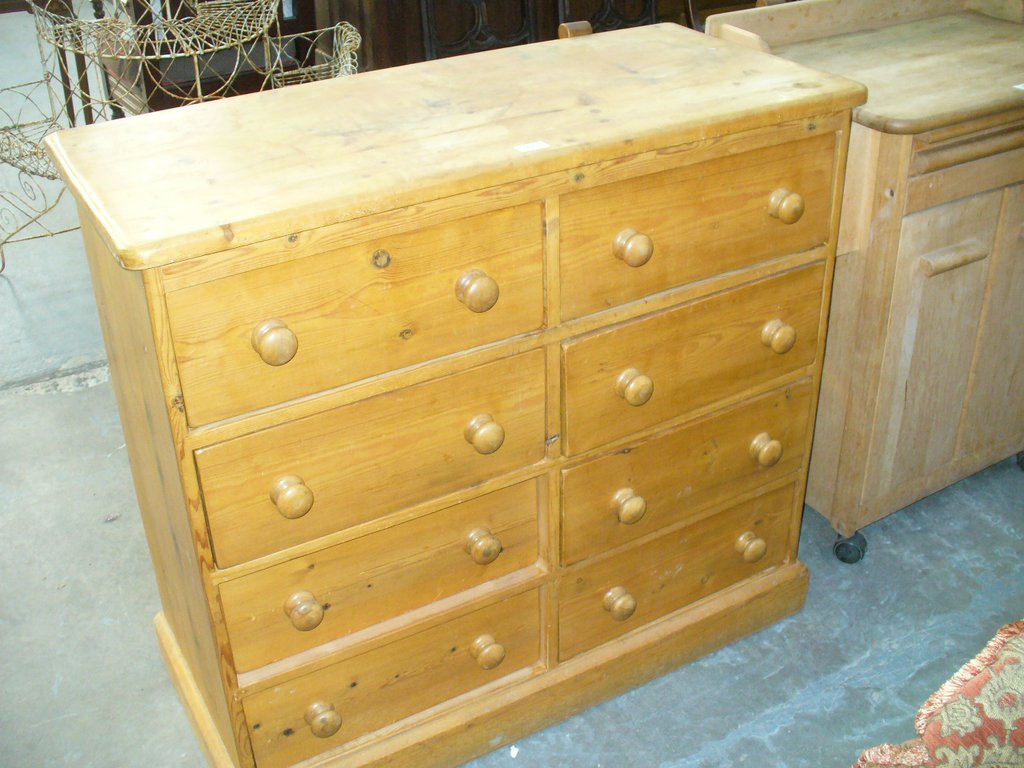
x=619, y=603
x=304, y=611
x=766, y=451
x=485, y=434
x=477, y=290
x=274, y=342
x=630, y=507
x=570, y=29
x=483, y=546
x=488, y=652
x=634, y=387
x=323, y=719
x=291, y=496
x=634, y=248
x=786, y=206
x=751, y=547
x=779, y=336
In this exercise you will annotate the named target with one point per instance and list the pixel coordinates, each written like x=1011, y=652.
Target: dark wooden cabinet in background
x=394, y=32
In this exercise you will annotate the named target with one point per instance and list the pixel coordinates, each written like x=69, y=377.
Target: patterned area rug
x=976, y=720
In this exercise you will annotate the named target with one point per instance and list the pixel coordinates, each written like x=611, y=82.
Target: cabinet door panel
x=939, y=288
x=994, y=422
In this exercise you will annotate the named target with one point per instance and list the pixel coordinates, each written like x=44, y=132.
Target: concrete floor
x=83, y=684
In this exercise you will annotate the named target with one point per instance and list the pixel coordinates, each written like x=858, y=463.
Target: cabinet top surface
x=926, y=63
x=173, y=185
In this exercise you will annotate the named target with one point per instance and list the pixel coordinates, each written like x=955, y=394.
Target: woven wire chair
x=103, y=60
x=320, y=54
x=26, y=118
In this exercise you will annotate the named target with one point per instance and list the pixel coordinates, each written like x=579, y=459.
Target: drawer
x=609, y=598
x=632, y=376
x=700, y=220
x=615, y=499
x=310, y=600
x=327, y=708
x=273, y=334
x=292, y=483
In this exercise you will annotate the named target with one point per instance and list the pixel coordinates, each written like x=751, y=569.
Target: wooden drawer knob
x=274, y=342
x=323, y=719
x=634, y=387
x=786, y=206
x=751, y=547
x=570, y=29
x=779, y=336
x=619, y=603
x=765, y=451
x=304, y=611
x=485, y=434
x=483, y=546
x=634, y=248
x=630, y=507
x=488, y=652
x=291, y=496
x=477, y=290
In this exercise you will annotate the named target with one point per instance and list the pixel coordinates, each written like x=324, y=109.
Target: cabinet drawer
x=280, y=332
x=633, y=376
x=640, y=489
x=362, y=694
x=614, y=596
x=358, y=462
x=700, y=220
x=310, y=600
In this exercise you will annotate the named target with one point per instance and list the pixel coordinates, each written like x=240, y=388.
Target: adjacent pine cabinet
x=461, y=396
x=924, y=376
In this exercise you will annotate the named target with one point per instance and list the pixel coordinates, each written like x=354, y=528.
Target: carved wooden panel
x=451, y=27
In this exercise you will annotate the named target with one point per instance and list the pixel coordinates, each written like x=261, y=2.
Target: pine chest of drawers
x=464, y=395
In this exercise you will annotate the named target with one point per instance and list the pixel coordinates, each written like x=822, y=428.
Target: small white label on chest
x=533, y=146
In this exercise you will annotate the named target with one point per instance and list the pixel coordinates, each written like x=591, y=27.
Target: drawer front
x=700, y=220
x=615, y=596
x=362, y=694
x=274, y=334
x=356, y=463
x=631, y=493
x=310, y=600
x=633, y=376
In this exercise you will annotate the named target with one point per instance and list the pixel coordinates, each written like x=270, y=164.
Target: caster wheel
x=850, y=550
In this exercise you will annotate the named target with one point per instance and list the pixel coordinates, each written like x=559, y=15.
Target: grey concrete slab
x=82, y=679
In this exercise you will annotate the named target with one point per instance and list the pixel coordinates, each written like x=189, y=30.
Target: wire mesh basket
x=29, y=189
x=104, y=59
x=316, y=55
x=25, y=120
x=144, y=54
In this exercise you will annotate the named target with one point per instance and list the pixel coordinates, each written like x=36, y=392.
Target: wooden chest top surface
x=926, y=63
x=928, y=73
x=173, y=185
